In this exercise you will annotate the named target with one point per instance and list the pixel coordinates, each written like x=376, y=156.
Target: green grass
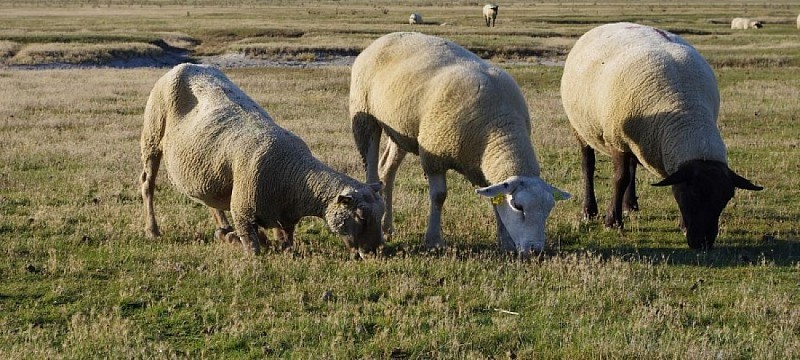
x=79, y=280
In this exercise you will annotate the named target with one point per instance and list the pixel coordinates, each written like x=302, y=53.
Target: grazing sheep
x=645, y=96
x=223, y=150
x=415, y=19
x=744, y=23
x=438, y=100
x=490, y=14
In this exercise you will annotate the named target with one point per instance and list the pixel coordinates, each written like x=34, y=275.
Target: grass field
x=79, y=280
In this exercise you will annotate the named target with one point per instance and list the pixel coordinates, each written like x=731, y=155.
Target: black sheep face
x=702, y=189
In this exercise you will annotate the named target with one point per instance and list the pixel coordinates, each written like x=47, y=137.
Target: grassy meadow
x=78, y=279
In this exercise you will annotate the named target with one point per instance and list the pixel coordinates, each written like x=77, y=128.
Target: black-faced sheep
x=490, y=14
x=745, y=23
x=415, y=18
x=438, y=100
x=223, y=150
x=645, y=96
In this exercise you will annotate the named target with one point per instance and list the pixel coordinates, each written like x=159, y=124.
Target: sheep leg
x=148, y=186
x=437, y=187
x=367, y=134
x=622, y=177
x=630, y=200
x=224, y=230
x=390, y=162
x=588, y=166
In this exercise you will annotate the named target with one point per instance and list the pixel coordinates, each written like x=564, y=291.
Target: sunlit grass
x=78, y=279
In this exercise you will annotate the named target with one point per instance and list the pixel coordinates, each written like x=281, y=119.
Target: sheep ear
x=677, y=177
x=376, y=187
x=743, y=183
x=496, y=189
x=559, y=194
x=344, y=199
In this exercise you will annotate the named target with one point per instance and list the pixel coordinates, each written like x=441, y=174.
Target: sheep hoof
x=630, y=207
x=152, y=232
x=434, y=243
x=612, y=223
x=221, y=234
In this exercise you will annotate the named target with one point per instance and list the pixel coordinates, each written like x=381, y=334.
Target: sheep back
x=452, y=110
x=634, y=88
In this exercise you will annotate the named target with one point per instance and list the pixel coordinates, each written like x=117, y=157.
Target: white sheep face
x=523, y=205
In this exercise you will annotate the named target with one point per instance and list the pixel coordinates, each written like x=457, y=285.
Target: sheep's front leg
x=630, y=200
x=148, y=186
x=437, y=184
x=588, y=167
x=285, y=236
x=390, y=161
x=243, y=212
x=622, y=177
x=504, y=240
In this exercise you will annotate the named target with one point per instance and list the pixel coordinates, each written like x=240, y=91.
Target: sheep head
x=523, y=205
x=355, y=215
x=702, y=189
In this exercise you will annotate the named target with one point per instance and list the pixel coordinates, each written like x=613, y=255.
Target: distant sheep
x=490, y=13
x=457, y=112
x=415, y=19
x=745, y=23
x=645, y=96
x=223, y=150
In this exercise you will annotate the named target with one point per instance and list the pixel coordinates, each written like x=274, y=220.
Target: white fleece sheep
x=798, y=21
x=490, y=13
x=415, y=19
x=223, y=150
x=438, y=100
x=644, y=95
x=745, y=23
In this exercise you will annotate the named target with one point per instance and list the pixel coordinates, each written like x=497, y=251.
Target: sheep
x=798, y=21
x=223, y=150
x=490, y=14
x=745, y=23
x=455, y=111
x=645, y=96
x=415, y=19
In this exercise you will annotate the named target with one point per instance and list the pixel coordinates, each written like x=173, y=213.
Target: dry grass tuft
x=72, y=53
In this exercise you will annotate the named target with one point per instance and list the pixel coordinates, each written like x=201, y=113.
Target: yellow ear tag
x=497, y=200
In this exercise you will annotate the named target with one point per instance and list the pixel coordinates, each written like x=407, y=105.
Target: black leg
x=622, y=177
x=631, y=201
x=588, y=166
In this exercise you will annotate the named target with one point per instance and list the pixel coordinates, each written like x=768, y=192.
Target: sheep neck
x=508, y=154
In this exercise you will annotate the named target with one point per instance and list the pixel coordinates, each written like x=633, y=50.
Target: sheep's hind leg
x=588, y=167
x=148, y=186
x=630, y=201
x=224, y=230
x=622, y=177
x=390, y=161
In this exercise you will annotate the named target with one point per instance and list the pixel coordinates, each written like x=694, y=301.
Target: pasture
x=78, y=279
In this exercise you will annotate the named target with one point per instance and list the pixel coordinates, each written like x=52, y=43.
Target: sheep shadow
x=777, y=252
